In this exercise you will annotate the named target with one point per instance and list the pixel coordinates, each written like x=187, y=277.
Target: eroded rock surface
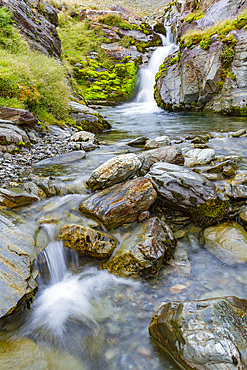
x=203, y=335
x=121, y=203
x=87, y=241
x=143, y=252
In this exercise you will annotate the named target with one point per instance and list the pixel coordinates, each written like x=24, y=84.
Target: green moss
x=211, y=211
x=176, y=59
x=205, y=42
x=115, y=21
x=194, y=16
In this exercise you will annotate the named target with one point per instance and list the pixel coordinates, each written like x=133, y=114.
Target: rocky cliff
x=209, y=72
x=37, y=21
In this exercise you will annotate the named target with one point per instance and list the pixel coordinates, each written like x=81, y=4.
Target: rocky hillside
x=209, y=72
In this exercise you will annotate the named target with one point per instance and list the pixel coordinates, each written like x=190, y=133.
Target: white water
x=145, y=102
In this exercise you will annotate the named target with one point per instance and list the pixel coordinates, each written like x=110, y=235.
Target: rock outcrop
x=209, y=72
x=19, y=246
x=207, y=334
x=144, y=251
x=37, y=23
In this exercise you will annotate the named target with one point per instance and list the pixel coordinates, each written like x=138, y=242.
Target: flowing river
x=88, y=318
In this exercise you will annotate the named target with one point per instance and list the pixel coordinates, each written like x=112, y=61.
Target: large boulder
x=12, y=138
x=19, y=246
x=198, y=157
x=18, y=116
x=169, y=154
x=121, y=203
x=227, y=241
x=203, y=335
x=87, y=241
x=144, y=251
x=113, y=171
x=186, y=190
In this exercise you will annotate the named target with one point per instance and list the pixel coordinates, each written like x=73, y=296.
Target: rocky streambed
x=152, y=218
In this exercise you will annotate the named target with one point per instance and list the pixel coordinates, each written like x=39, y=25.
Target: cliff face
x=37, y=21
x=210, y=71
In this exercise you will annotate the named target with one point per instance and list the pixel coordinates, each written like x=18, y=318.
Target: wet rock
x=16, y=197
x=84, y=136
x=158, y=142
x=211, y=176
x=227, y=241
x=23, y=353
x=121, y=203
x=207, y=334
x=138, y=142
x=18, y=116
x=18, y=249
x=239, y=133
x=220, y=166
x=87, y=241
x=169, y=154
x=228, y=171
x=31, y=187
x=243, y=215
x=237, y=187
x=144, y=251
x=88, y=118
x=45, y=184
x=62, y=159
x=186, y=190
x=113, y=171
x=198, y=157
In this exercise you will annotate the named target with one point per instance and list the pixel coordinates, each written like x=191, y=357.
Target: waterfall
x=146, y=91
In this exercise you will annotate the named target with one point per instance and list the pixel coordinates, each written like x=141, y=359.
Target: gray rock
x=205, y=335
x=237, y=187
x=144, y=251
x=198, y=157
x=239, y=133
x=169, y=154
x=138, y=142
x=186, y=190
x=62, y=159
x=16, y=197
x=113, y=171
x=84, y=136
x=227, y=241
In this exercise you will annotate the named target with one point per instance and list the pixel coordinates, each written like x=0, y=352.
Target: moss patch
x=194, y=16
x=211, y=211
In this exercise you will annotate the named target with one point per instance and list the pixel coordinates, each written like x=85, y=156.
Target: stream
x=91, y=319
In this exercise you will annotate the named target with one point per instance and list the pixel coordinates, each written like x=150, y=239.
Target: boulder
x=169, y=154
x=87, y=140
x=158, y=142
x=144, y=251
x=18, y=116
x=113, y=171
x=121, y=203
x=138, y=142
x=198, y=157
x=227, y=241
x=31, y=187
x=87, y=241
x=204, y=335
x=16, y=197
x=186, y=190
x=19, y=246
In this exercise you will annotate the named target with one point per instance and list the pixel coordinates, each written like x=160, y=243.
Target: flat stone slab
x=62, y=159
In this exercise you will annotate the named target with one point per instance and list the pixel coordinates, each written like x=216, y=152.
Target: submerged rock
x=16, y=197
x=143, y=252
x=186, y=190
x=87, y=241
x=207, y=334
x=19, y=246
x=169, y=154
x=121, y=203
x=237, y=187
x=62, y=159
x=227, y=241
x=113, y=171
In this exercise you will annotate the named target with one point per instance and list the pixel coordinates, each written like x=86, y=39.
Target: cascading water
x=144, y=101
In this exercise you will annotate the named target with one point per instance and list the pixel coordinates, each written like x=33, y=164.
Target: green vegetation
x=115, y=21
x=176, y=58
x=194, y=16
x=222, y=29
x=29, y=79
x=94, y=75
